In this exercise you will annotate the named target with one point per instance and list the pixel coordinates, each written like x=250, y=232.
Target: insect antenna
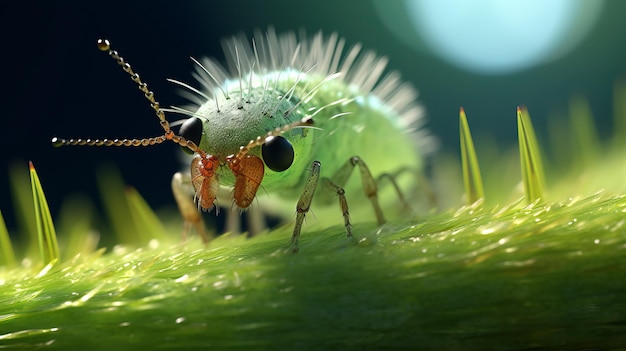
x=105, y=45
x=305, y=122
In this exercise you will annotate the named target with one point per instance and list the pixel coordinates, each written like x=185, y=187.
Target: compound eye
x=277, y=153
x=192, y=131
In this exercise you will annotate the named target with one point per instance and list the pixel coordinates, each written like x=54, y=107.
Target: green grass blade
x=471, y=171
x=75, y=227
x=22, y=195
x=146, y=221
x=6, y=248
x=132, y=220
x=586, y=141
x=559, y=142
x=46, y=234
x=530, y=158
x=619, y=115
x=112, y=191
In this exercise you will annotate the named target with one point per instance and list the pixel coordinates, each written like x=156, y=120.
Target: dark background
x=55, y=81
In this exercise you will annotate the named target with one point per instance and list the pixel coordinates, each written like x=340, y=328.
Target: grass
x=530, y=158
x=46, y=234
x=542, y=271
x=472, y=179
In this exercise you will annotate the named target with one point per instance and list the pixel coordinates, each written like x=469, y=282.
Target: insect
x=291, y=115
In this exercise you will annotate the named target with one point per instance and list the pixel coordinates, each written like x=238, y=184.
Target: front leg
x=304, y=203
x=181, y=185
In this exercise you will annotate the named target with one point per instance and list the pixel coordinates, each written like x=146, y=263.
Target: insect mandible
x=285, y=108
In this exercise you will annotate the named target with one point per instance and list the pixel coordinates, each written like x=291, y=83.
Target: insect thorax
x=239, y=118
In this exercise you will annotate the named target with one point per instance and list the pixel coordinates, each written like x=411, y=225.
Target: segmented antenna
x=305, y=122
x=105, y=45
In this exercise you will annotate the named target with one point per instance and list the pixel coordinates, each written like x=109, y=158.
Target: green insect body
x=291, y=113
x=296, y=78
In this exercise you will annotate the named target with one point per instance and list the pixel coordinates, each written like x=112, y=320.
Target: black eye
x=277, y=153
x=192, y=131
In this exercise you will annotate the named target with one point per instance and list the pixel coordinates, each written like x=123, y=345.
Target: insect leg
x=233, y=220
x=391, y=178
x=254, y=214
x=304, y=203
x=256, y=222
x=342, y=203
x=426, y=186
x=370, y=188
x=180, y=188
x=423, y=184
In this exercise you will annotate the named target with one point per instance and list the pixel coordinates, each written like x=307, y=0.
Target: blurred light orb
x=497, y=36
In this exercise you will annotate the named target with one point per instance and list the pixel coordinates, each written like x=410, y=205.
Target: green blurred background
x=56, y=83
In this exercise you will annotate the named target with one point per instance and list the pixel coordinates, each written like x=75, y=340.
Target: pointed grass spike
x=6, y=248
x=146, y=221
x=131, y=219
x=46, y=234
x=22, y=194
x=112, y=192
x=619, y=115
x=471, y=171
x=530, y=158
x=586, y=141
x=75, y=220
